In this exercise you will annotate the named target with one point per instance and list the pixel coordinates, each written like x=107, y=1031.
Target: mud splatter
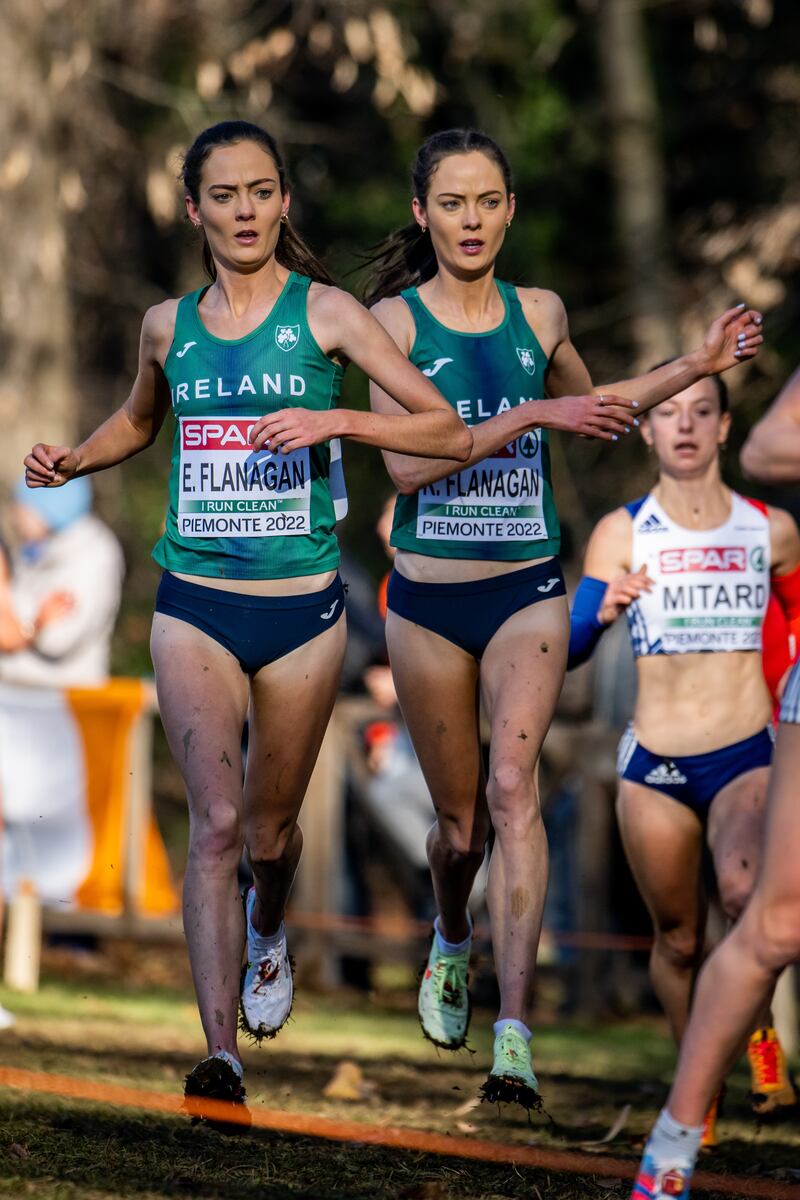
x=745, y=864
x=543, y=646
x=522, y=736
x=187, y=744
x=520, y=902
x=440, y=728
x=219, y=1016
x=224, y=758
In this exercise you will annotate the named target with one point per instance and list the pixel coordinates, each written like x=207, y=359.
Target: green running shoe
x=511, y=1079
x=444, y=1004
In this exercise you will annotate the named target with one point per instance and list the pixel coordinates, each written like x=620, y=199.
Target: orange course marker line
x=300, y=1124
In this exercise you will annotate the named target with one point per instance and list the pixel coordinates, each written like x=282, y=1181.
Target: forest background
x=656, y=159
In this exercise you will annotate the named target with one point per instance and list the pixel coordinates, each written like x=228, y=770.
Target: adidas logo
x=652, y=525
x=665, y=773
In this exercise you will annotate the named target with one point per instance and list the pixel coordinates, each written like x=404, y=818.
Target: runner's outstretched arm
x=732, y=338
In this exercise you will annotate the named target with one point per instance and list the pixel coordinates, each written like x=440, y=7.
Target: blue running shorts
x=693, y=779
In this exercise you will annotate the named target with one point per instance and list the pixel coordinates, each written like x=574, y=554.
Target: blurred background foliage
x=654, y=145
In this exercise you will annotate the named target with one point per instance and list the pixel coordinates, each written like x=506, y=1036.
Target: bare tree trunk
x=37, y=400
x=638, y=172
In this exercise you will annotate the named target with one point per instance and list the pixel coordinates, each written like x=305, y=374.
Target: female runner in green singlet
x=247, y=621
x=477, y=608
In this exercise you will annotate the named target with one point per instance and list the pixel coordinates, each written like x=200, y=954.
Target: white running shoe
x=267, y=989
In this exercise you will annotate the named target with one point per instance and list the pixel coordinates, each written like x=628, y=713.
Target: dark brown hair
x=291, y=251
x=406, y=257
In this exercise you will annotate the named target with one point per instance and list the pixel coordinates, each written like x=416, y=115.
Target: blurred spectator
x=57, y=614
x=16, y=634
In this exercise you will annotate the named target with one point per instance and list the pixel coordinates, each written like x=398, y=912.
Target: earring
x=284, y=218
x=508, y=224
x=423, y=228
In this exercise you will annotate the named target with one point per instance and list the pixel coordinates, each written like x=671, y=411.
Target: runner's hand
x=50, y=466
x=291, y=429
x=604, y=417
x=732, y=338
x=621, y=592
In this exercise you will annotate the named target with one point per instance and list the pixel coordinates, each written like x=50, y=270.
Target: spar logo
x=287, y=336
x=703, y=558
x=231, y=434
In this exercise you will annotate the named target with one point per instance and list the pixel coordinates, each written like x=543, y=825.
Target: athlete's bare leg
x=437, y=686
x=735, y=838
x=522, y=672
x=292, y=700
x=202, y=694
x=739, y=976
x=663, y=842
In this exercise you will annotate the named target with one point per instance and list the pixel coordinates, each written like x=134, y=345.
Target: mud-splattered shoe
x=218, y=1078
x=772, y=1088
x=511, y=1079
x=267, y=991
x=443, y=1003
x=656, y=1181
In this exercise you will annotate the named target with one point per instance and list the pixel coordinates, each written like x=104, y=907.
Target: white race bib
x=499, y=499
x=228, y=489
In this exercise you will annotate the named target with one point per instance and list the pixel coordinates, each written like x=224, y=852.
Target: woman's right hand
x=604, y=417
x=621, y=592
x=50, y=466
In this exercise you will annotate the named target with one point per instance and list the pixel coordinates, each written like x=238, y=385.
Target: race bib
x=499, y=499
x=228, y=489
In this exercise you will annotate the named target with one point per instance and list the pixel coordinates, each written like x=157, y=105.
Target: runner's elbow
x=461, y=447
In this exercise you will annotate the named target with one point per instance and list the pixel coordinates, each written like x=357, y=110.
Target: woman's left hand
x=732, y=338
x=292, y=429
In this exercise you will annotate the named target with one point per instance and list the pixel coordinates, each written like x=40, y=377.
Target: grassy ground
x=65, y=1150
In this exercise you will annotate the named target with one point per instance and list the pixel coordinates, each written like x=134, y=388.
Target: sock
x=231, y=1061
x=671, y=1143
x=261, y=945
x=452, y=947
x=520, y=1027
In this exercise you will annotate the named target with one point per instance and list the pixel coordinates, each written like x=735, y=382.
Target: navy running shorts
x=470, y=614
x=693, y=779
x=257, y=630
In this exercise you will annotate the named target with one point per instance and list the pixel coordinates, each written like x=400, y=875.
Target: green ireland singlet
x=234, y=512
x=502, y=507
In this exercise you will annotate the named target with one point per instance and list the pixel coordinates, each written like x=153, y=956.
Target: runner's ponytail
x=406, y=257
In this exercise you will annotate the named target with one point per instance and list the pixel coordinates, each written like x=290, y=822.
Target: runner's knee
x=459, y=834
x=268, y=839
x=679, y=945
x=773, y=931
x=216, y=833
x=513, y=800
x=734, y=892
